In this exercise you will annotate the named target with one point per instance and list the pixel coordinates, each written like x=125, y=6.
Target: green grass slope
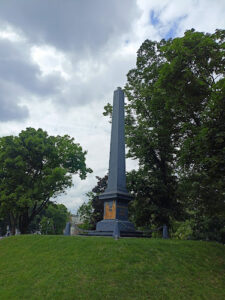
x=59, y=267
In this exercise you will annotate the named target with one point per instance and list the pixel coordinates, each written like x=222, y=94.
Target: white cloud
x=50, y=60
x=11, y=34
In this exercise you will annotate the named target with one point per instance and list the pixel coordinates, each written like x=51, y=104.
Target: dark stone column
x=117, y=175
x=116, y=197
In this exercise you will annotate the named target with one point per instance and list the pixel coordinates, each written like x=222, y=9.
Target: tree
x=175, y=122
x=55, y=214
x=59, y=214
x=52, y=220
x=202, y=158
x=175, y=127
x=194, y=79
x=92, y=211
x=85, y=212
x=3, y=225
x=34, y=168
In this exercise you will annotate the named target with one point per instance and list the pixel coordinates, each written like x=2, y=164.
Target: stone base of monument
x=107, y=228
x=109, y=225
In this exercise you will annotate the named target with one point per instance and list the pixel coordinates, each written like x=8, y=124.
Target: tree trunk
x=24, y=222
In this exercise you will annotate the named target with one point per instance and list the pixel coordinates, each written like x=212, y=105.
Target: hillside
x=59, y=267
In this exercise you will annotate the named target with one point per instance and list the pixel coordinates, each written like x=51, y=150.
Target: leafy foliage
x=47, y=225
x=51, y=220
x=175, y=129
x=35, y=168
x=91, y=211
x=175, y=126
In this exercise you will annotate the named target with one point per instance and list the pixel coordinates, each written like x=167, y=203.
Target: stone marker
x=116, y=196
x=67, y=229
x=17, y=232
x=8, y=232
x=116, y=232
x=165, y=232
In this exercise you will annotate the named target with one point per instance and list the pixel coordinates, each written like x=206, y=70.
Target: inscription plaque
x=110, y=210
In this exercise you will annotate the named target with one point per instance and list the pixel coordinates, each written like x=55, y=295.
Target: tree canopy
x=35, y=168
x=175, y=128
x=175, y=122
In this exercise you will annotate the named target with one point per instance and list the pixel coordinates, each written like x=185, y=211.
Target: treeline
x=175, y=128
x=51, y=220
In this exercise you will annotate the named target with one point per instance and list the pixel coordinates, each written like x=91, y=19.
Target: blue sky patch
x=154, y=18
x=171, y=33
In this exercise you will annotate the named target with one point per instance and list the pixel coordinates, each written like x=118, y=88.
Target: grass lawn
x=61, y=267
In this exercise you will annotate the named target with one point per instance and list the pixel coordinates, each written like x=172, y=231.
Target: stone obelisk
x=116, y=196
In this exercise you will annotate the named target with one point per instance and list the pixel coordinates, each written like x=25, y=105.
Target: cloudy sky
x=60, y=61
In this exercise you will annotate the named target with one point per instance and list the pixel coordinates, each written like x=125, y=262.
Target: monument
x=116, y=196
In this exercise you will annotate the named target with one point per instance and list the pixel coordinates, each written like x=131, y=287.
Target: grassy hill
x=59, y=267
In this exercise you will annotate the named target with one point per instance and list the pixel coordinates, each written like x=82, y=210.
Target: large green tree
x=175, y=127
x=34, y=168
x=175, y=124
x=194, y=80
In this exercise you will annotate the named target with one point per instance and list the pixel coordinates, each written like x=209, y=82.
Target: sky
x=61, y=60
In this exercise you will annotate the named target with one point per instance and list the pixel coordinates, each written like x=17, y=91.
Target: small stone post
x=165, y=232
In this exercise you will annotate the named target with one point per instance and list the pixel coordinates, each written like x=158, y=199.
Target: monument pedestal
x=109, y=225
x=115, y=216
x=107, y=228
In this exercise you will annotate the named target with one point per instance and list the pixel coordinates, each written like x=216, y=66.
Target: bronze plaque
x=110, y=210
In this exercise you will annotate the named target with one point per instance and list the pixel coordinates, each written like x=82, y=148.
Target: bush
x=210, y=229
x=200, y=228
x=47, y=226
x=182, y=230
